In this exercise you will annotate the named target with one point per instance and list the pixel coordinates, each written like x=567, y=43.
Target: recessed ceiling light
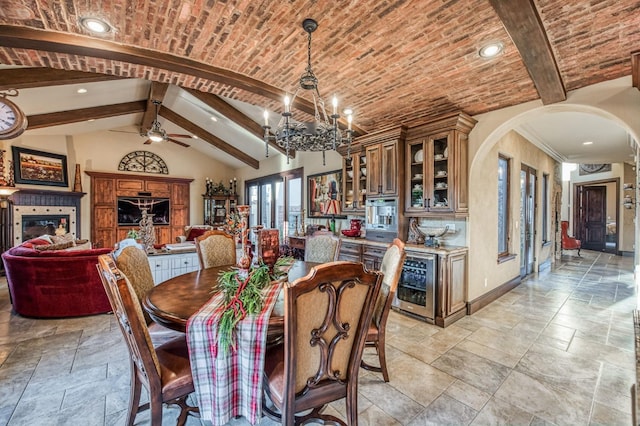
x=82, y=90
x=95, y=25
x=490, y=50
x=347, y=111
x=194, y=136
x=587, y=143
x=213, y=118
x=91, y=119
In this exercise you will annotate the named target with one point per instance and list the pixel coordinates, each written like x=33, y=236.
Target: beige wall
x=102, y=151
x=485, y=271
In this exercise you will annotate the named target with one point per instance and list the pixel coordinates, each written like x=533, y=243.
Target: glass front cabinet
x=217, y=207
x=437, y=169
x=354, y=179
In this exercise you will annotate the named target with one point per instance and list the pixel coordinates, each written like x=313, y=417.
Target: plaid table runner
x=229, y=384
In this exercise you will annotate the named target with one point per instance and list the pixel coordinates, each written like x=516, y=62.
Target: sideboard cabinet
x=107, y=187
x=436, y=157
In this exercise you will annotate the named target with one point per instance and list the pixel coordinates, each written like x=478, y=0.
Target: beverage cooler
x=416, y=288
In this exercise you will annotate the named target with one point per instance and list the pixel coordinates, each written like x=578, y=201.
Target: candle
x=286, y=103
x=335, y=105
x=349, y=120
x=266, y=118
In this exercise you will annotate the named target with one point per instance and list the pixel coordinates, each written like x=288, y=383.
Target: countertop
x=442, y=250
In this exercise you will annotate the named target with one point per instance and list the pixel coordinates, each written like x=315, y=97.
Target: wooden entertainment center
x=107, y=187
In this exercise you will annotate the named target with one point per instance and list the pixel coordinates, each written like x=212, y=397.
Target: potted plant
x=133, y=234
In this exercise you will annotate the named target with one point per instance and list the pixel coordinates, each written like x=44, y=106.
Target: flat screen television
x=130, y=210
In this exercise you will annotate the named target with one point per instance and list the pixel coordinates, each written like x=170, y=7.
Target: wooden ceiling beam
x=635, y=70
x=27, y=78
x=208, y=137
x=74, y=44
x=39, y=121
x=157, y=92
x=521, y=20
x=233, y=114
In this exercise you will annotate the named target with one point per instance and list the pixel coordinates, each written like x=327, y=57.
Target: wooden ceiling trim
x=157, y=92
x=27, y=78
x=233, y=114
x=39, y=121
x=208, y=137
x=521, y=20
x=635, y=70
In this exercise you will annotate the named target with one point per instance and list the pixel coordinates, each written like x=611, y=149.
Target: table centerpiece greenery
x=242, y=290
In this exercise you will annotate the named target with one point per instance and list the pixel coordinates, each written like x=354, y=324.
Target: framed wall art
x=324, y=196
x=39, y=168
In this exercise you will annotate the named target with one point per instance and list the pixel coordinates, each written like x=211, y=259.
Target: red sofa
x=55, y=283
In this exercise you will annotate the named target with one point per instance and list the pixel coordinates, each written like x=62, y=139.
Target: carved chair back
x=215, y=248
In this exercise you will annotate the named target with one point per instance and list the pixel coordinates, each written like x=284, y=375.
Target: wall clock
x=143, y=161
x=12, y=120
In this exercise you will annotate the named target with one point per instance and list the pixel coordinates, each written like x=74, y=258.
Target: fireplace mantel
x=68, y=201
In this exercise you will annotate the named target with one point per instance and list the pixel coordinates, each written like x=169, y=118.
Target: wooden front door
x=594, y=215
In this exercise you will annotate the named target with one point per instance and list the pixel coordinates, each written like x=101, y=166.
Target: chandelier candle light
x=321, y=135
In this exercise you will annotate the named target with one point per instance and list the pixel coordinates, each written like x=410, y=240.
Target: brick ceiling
x=392, y=61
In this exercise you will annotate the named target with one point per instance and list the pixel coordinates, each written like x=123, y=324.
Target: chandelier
x=323, y=134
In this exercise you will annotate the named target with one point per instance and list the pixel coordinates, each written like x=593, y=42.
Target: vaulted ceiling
x=393, y=62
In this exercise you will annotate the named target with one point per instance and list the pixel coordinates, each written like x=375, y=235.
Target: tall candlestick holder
x=245, y=260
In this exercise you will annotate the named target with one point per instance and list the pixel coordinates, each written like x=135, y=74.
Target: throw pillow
x=195, y=233
x=80, y=245
x=66, y=238
x=58, y=246
x=36, y=242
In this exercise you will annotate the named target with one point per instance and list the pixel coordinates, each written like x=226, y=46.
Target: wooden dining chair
x=326, y=318
x=391, y=267
x=132, y=261
x=322, y=247
x=215, y=248
x=164, y=371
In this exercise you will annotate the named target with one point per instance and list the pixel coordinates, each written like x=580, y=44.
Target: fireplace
x=36, y=225
x=37, y=211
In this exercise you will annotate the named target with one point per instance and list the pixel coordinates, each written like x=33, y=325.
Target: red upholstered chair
x=569, y=243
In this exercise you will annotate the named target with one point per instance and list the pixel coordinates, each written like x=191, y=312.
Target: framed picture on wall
x=323, y=194
x=39, y=168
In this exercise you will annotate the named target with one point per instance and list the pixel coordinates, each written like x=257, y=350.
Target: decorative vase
x=77, y=182
x=245, y=260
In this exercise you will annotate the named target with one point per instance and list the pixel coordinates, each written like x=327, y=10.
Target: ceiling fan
x=157, y=134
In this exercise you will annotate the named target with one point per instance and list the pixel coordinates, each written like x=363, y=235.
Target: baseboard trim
x=545, y=265
x=482, y=301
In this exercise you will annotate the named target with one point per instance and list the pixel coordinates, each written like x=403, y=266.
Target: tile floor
x=558, y=349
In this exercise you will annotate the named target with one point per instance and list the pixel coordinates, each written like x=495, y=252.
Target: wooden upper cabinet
x=437, y=173
x=354, y=183
x=381, y=166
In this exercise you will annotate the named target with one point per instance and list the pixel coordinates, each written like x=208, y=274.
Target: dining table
x=172, y=302
x=227, y=382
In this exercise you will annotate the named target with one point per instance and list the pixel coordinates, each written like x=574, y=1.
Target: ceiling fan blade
x=175, y=135
x=148, y=142
x=178, y=142
x=124, y=131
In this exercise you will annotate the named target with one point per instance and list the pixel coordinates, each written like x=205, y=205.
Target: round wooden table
x=172, y=302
